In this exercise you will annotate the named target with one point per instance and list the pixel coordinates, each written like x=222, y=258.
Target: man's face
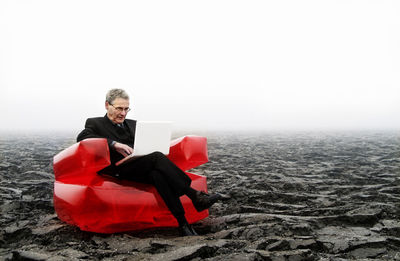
x=117, y=110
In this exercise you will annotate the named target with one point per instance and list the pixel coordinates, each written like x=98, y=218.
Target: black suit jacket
x=103, y=127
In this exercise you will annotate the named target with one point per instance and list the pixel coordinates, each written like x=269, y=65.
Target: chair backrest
x=79, y=163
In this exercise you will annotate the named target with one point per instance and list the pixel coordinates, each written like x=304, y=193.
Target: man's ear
x=106, y=105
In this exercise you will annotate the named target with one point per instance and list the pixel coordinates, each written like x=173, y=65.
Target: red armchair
x=104, y=204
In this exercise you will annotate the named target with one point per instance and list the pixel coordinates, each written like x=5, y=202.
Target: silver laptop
x=150, y=136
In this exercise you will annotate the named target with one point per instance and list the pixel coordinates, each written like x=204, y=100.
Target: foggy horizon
x=206, y=66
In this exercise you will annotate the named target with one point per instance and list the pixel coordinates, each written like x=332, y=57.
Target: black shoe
x=205, y=201
x=187, y=230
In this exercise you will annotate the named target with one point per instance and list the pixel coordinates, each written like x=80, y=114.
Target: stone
x=73, y=254
x=202, y=250
x=29, y=255
x=47, y=229
x=184, y=253
x=279, y=246
x=303, y=244
x=367, y=252
x=291, y=255
x=340, y=239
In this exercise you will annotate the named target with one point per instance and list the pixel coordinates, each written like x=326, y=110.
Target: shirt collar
x=114, y=124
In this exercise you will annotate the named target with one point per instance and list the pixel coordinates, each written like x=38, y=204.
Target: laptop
x=150, y=136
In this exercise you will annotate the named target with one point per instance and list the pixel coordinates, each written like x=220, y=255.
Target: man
x=155, y=168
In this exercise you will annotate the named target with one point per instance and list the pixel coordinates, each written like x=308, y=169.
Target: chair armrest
x=85, y=157
x=189, y=152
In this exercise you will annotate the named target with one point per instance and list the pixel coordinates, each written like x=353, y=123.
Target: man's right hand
x=124, y=149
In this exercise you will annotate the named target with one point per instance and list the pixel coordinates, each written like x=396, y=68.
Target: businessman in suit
x=155, y=168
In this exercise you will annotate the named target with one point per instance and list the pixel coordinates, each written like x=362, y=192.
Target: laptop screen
x=151, y=136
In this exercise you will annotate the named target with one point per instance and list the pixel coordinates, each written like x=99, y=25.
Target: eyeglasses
x=120, y=109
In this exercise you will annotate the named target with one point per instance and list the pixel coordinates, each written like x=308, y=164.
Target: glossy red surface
x=105, y=204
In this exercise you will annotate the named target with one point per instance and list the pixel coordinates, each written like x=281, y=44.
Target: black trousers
x=156, y=169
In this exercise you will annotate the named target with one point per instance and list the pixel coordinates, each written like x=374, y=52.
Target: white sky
x=205, y=65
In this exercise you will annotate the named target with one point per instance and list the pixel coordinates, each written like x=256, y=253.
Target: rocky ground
x=290, y=196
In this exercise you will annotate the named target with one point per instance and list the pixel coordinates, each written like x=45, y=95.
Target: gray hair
x=116, y=93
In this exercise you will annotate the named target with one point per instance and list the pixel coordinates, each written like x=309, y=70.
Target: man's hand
x=124, y=149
